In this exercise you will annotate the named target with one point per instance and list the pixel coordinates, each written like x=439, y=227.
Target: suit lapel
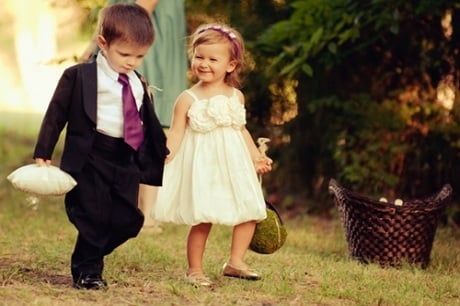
x=89, y=89
x=145, y=110
x=145, y=85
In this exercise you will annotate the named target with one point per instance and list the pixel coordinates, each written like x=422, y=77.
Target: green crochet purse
x=270, y=234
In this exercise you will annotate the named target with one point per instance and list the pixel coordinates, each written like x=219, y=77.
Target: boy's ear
x=101, y=42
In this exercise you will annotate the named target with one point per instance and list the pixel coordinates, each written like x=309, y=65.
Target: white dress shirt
x=109, y=98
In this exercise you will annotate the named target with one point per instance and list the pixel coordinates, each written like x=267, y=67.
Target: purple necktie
x=133, y=132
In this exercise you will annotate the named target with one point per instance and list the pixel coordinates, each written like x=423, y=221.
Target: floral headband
x=221, y=29
x=232, y=36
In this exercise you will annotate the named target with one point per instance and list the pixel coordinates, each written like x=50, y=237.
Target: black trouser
x=103, y=205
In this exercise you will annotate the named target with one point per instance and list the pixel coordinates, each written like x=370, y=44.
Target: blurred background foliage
x=366, y=92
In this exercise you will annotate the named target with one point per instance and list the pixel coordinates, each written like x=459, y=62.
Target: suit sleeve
x=56, y=116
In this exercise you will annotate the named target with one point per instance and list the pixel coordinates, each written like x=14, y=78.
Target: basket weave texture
x=383, y=233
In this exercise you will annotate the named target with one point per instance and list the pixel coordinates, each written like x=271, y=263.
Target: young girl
x=211, y=172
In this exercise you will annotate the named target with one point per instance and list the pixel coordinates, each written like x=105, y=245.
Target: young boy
x=107, y=161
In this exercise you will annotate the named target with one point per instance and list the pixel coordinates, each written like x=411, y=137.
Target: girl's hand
x=263, y=164
x=168, y=158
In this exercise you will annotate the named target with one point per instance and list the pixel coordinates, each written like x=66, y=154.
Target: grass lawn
x=313, y=268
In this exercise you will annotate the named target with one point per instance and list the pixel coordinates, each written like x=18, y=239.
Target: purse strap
x=262, y=142
x=273, y=208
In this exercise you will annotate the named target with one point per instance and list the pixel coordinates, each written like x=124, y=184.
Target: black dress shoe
x=90, y=282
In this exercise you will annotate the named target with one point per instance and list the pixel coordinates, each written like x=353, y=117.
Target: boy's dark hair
x=126, y=22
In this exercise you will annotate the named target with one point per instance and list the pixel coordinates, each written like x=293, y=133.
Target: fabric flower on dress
x=219, y=111
x=199, y=119
x=238, y=114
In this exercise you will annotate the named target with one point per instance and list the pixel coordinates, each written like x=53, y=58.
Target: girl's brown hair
x=218, y=33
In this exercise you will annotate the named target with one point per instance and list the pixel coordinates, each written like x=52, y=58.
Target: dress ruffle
x=218, y=111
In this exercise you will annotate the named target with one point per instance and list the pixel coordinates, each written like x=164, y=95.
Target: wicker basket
x=387, y=234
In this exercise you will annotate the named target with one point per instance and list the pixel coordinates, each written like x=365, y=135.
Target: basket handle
x=334, y=188
x=444, y=193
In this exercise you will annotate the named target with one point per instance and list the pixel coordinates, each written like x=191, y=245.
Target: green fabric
x=165, y=64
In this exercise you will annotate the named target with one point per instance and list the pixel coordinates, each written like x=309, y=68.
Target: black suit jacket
x=74, y=103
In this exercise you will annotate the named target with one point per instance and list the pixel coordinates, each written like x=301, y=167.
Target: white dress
x=212, y=178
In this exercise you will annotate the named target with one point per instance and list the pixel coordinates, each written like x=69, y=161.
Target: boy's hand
x=42, y=162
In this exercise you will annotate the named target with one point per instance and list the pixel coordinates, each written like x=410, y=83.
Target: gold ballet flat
x=198, y=279
x=248, y=274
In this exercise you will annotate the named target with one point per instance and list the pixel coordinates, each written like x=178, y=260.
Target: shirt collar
x=103, y=64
